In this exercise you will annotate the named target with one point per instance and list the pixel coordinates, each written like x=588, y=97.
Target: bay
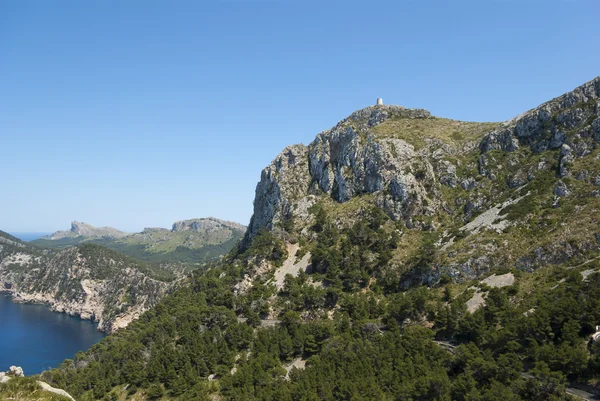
x=35, y=338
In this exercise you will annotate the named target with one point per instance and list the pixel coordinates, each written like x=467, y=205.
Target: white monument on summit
x=379, y=101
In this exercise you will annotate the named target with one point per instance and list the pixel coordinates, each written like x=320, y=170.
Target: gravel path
x=290, y=266
x=477, y=300
x=297, y=363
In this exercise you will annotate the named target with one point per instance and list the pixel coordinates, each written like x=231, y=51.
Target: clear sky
x=139, y=113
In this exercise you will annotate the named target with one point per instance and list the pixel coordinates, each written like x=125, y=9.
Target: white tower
x=379, y=101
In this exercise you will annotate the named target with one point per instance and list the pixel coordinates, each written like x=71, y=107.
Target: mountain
x=523, y=193
x=190, y=241
x=89, y=281
x=397, y=256
x=79, y=229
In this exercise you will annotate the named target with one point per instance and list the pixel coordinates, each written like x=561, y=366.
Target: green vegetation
x=349, y=258
x=107, y=263
x=376, y=342
x=267, y=246
x=416, y=130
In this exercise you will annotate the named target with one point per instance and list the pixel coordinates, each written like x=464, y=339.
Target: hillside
x=397, y=256
x=189, y=241
x=89, y=281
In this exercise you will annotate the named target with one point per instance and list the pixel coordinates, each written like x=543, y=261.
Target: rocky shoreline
x=91, y=310
x=70, y=308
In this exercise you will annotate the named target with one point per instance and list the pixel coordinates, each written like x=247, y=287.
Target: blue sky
x=140, y=113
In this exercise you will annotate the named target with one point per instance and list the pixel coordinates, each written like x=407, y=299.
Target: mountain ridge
x=82, y=229
x=191, y=241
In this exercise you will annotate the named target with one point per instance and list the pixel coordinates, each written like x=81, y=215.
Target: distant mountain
x=89, y=281
x=80, y=229
x=189, y=241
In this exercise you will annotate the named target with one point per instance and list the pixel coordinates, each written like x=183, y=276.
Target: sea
x=35, y=338
x=28, y=236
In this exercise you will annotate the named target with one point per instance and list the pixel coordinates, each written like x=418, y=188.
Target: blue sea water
x=35, y=338
x=28, y=236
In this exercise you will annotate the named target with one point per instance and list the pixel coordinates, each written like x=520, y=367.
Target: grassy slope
x=26, y=389
x=417, y=131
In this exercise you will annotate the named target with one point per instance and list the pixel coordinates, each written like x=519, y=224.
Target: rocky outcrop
x=345, y=162
x=88, y=281
x=15, y=371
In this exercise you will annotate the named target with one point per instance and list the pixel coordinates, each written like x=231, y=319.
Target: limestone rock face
x=344, y=162
x=283, y=186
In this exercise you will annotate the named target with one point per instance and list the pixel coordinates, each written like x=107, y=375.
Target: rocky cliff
x=527, y=187
x=88, y=281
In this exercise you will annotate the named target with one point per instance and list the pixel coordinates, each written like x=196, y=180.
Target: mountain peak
x=375, y=115
x=410, y=165
x=79, y=227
